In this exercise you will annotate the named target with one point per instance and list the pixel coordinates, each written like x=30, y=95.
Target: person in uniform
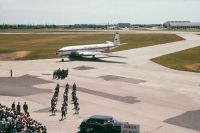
x=74, y=86
x=65, y=97
x=63, y=112
x=76, y=108
x=13, y=106
x=57, y=87
x=67, y=72
x=58, y=73
x=11, y=73
x=53, y=110
x=18, y=108
x=67, y=88
x=25, y=108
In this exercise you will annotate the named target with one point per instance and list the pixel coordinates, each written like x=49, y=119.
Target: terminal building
x=181, y=25
x=123, y=25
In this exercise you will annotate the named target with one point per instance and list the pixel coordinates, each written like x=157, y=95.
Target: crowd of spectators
x=12, y=120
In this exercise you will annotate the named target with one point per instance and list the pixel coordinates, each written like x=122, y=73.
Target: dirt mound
x=194, y=67
x=13, y=55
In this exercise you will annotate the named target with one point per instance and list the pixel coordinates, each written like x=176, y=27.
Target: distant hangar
x=181, y=25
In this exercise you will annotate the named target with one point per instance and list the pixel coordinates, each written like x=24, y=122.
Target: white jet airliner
x=89, y=50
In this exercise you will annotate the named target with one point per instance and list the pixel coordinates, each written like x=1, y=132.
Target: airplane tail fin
x=116, y=39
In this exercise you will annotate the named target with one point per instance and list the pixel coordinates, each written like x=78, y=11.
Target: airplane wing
x=89, y=53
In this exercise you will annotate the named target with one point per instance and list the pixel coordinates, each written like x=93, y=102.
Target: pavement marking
x=122, y=79
x=190, y=119
x=22, y=86
x=46, y=74
x=45, y=110
x=83, y=68
x=126, y=99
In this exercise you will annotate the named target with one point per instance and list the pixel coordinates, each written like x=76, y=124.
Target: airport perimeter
x=130, y=88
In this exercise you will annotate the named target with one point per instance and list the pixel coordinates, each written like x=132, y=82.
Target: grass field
x=187, y=60
x=43, y=46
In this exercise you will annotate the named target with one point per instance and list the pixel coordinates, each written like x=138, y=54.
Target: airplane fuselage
x=66, y=51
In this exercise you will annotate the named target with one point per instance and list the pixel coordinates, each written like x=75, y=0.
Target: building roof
x=184, y=24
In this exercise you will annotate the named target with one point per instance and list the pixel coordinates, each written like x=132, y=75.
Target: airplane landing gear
x=62, y=60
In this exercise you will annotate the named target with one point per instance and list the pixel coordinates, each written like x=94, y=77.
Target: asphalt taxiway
x=136, y=90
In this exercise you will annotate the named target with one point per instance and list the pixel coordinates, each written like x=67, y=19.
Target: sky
x=63, y=12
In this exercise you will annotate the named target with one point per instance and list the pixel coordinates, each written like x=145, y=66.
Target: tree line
x=53, y=26
x=75, y=26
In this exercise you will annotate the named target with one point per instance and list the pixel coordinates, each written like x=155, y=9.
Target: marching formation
x=13, y=121
x=54, y=100
x=60, y=74
x=65, y=102
x=75, y=99
x=64, y=106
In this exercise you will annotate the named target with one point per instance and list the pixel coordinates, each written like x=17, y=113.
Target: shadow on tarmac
x=94, y=59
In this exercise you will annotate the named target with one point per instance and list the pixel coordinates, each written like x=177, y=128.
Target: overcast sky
x=97, y=11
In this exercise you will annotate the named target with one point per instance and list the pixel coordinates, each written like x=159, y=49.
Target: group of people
x=54, y=100
x=13, y=121
x=75, y=99
x=17, y=108
x=60, y=74
x=64, y=106
x=65, y=102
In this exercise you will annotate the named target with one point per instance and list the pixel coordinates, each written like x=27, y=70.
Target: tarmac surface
x=135, y=90
x=21, y=86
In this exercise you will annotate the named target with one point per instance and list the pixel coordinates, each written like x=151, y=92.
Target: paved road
x=143, y=55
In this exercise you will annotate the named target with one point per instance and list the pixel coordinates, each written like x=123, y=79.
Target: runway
x=137, y=91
